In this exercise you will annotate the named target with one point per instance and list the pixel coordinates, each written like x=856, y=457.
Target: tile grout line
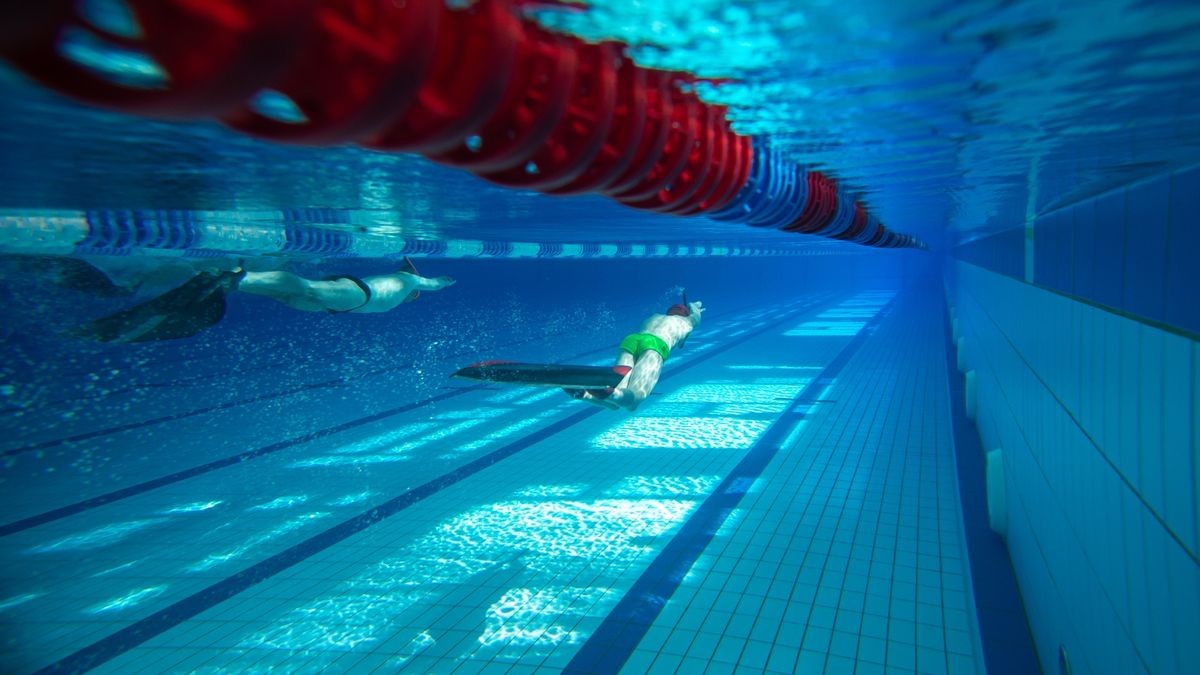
x=145, y=629
x=146, y=486
x=614, y=640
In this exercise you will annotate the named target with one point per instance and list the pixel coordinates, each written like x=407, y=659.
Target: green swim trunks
x=638, y=343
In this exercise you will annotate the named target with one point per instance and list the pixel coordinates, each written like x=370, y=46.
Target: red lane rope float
x=856, y=226
x=215, y=53
x=574, y=143
x=683, y=127
x=470, y=83
x=719, y=163
x=466, y=82
x=821, y=207
x=361, y=62
x=743, y=158
x=30, y=23
x=534, y=103
x=624, y=137
x=693, y=171
x=654, y=134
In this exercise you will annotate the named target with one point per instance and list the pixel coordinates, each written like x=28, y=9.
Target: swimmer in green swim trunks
x=643, y=354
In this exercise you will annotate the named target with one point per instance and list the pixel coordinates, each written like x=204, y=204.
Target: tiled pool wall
x=1077, y=331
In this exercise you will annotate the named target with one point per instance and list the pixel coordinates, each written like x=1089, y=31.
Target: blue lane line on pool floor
x=1003, y=623
x=162, y=481
x=176, y=416
x=159, y=622
x=612, y=643
x=231, y=460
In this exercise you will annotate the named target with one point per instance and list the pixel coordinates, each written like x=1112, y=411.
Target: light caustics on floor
x=522, y=561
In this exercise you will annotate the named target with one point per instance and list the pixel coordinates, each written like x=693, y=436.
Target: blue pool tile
x=839, y=665
x=844, y=644
x=961, y=665
x=1108, y=252
x=811, y=661
x=1081, y=266
x=1052, y=250
x=782, y=660
x=729, y=650
x=869, y=668
x=1146, y=248
x=874, y=626
x=1182, y=270
x=755, y=655
x=931, y=636
x=817, y=639
x=901, y=654
x=872, y=649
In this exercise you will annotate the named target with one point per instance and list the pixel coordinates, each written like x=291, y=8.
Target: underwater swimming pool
x=939, y=415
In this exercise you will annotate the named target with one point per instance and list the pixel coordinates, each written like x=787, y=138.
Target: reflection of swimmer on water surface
x=200, y=301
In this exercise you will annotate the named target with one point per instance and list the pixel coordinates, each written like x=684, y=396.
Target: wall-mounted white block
x=997, y=506
x=971, y=394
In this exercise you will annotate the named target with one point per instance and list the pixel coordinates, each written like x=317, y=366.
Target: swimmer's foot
x=594, y=396
x=178, y=313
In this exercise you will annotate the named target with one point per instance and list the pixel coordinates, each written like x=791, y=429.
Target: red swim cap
x=679, y=310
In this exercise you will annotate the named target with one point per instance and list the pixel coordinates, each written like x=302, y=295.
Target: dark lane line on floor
x=174, y=417
x=336, y=382
x=609, y=647
x=1003, y=624
x=285, y=364
x=149, y=364
x=144, y=386
x=159, y=622
x=139, y=488
x=146, y=486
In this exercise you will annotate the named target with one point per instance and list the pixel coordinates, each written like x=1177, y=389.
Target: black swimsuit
x=357, y=282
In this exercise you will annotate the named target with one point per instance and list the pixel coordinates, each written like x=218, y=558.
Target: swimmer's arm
x=431, y=284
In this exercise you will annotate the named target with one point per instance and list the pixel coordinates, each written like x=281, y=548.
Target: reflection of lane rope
x=165, y=233
x=473, y=85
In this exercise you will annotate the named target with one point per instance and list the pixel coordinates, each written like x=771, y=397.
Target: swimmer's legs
x=639, y=382
x=334, y=295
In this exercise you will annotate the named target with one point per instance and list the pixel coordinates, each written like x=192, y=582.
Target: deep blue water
x=310, y=492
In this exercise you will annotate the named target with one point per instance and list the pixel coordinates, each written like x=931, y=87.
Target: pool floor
x=786, y=502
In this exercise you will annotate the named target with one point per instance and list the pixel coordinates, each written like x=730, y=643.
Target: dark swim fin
x=70, y=273
x=178, y=313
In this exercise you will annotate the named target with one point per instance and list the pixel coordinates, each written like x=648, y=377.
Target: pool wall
x=1076, y=326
